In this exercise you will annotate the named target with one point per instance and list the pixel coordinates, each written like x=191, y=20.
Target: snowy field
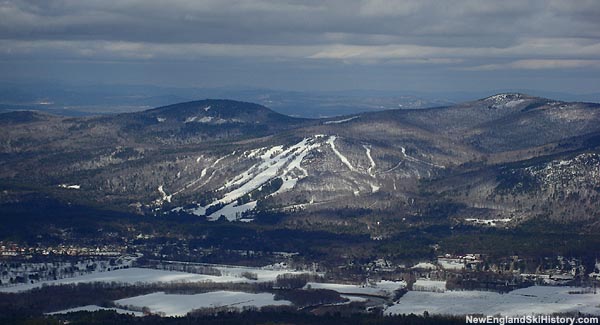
x=354, y=298
x=425, y=266
x=533, y=300
x=451, y=265
x=264, y=274
x=179, y=305
x=381, y=288
x=132, y=276
x=429, y=285
x=93, y=308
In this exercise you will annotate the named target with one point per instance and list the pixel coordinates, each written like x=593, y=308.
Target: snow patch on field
x=128, y=276
x=429, y=285
x=354, y=298
x=263, y=274
x=179, y=305
x=425, y=266
x=135, y=275
x=533, y=300
x=93, y=308
x=451, y=265
x=381, y=288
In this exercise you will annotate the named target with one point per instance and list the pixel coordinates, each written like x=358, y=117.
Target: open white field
x=429, y=285
x=179, y=305
x=93, y=308
x=533, y=300
x=142, y=275
x=263, y=274
x=381, y=288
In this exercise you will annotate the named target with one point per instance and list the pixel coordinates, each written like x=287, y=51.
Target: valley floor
x=389, y=297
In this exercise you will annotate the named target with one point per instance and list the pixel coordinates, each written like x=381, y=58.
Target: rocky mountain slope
x=499, y=161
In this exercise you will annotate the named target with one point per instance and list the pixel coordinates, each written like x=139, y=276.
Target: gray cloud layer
x=463, y=35
x=305, y=22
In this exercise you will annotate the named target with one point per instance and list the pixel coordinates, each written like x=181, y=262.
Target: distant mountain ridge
x=86, y=100
x=235, y=111
x=483, y=160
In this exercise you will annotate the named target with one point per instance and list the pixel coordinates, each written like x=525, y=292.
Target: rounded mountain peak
x=507, y=100
x=216, y=111
x=507, y=97
x=223, y=107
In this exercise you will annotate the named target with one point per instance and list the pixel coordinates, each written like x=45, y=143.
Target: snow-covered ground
x=274, y=162
x=354, y=298
x=513, y=103
x=424, y=265
x=429, y=285
x=533, y=300
x=71, y=187
x=263, y=274
x=343, y=159
x=372, y=167
x=125, y=276
x=132, y=276
x=93, y=308
x=508, y=100
x=451, y=264
x=488, y=222
x=179, y=305
x=381, y=288
x=232, y=211
x=341, y=121
x=163, y=196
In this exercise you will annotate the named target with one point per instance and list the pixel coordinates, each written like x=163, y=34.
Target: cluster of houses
x=8, y=250
x=479, y=270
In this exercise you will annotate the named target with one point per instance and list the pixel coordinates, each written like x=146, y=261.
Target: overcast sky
x=306, y=45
